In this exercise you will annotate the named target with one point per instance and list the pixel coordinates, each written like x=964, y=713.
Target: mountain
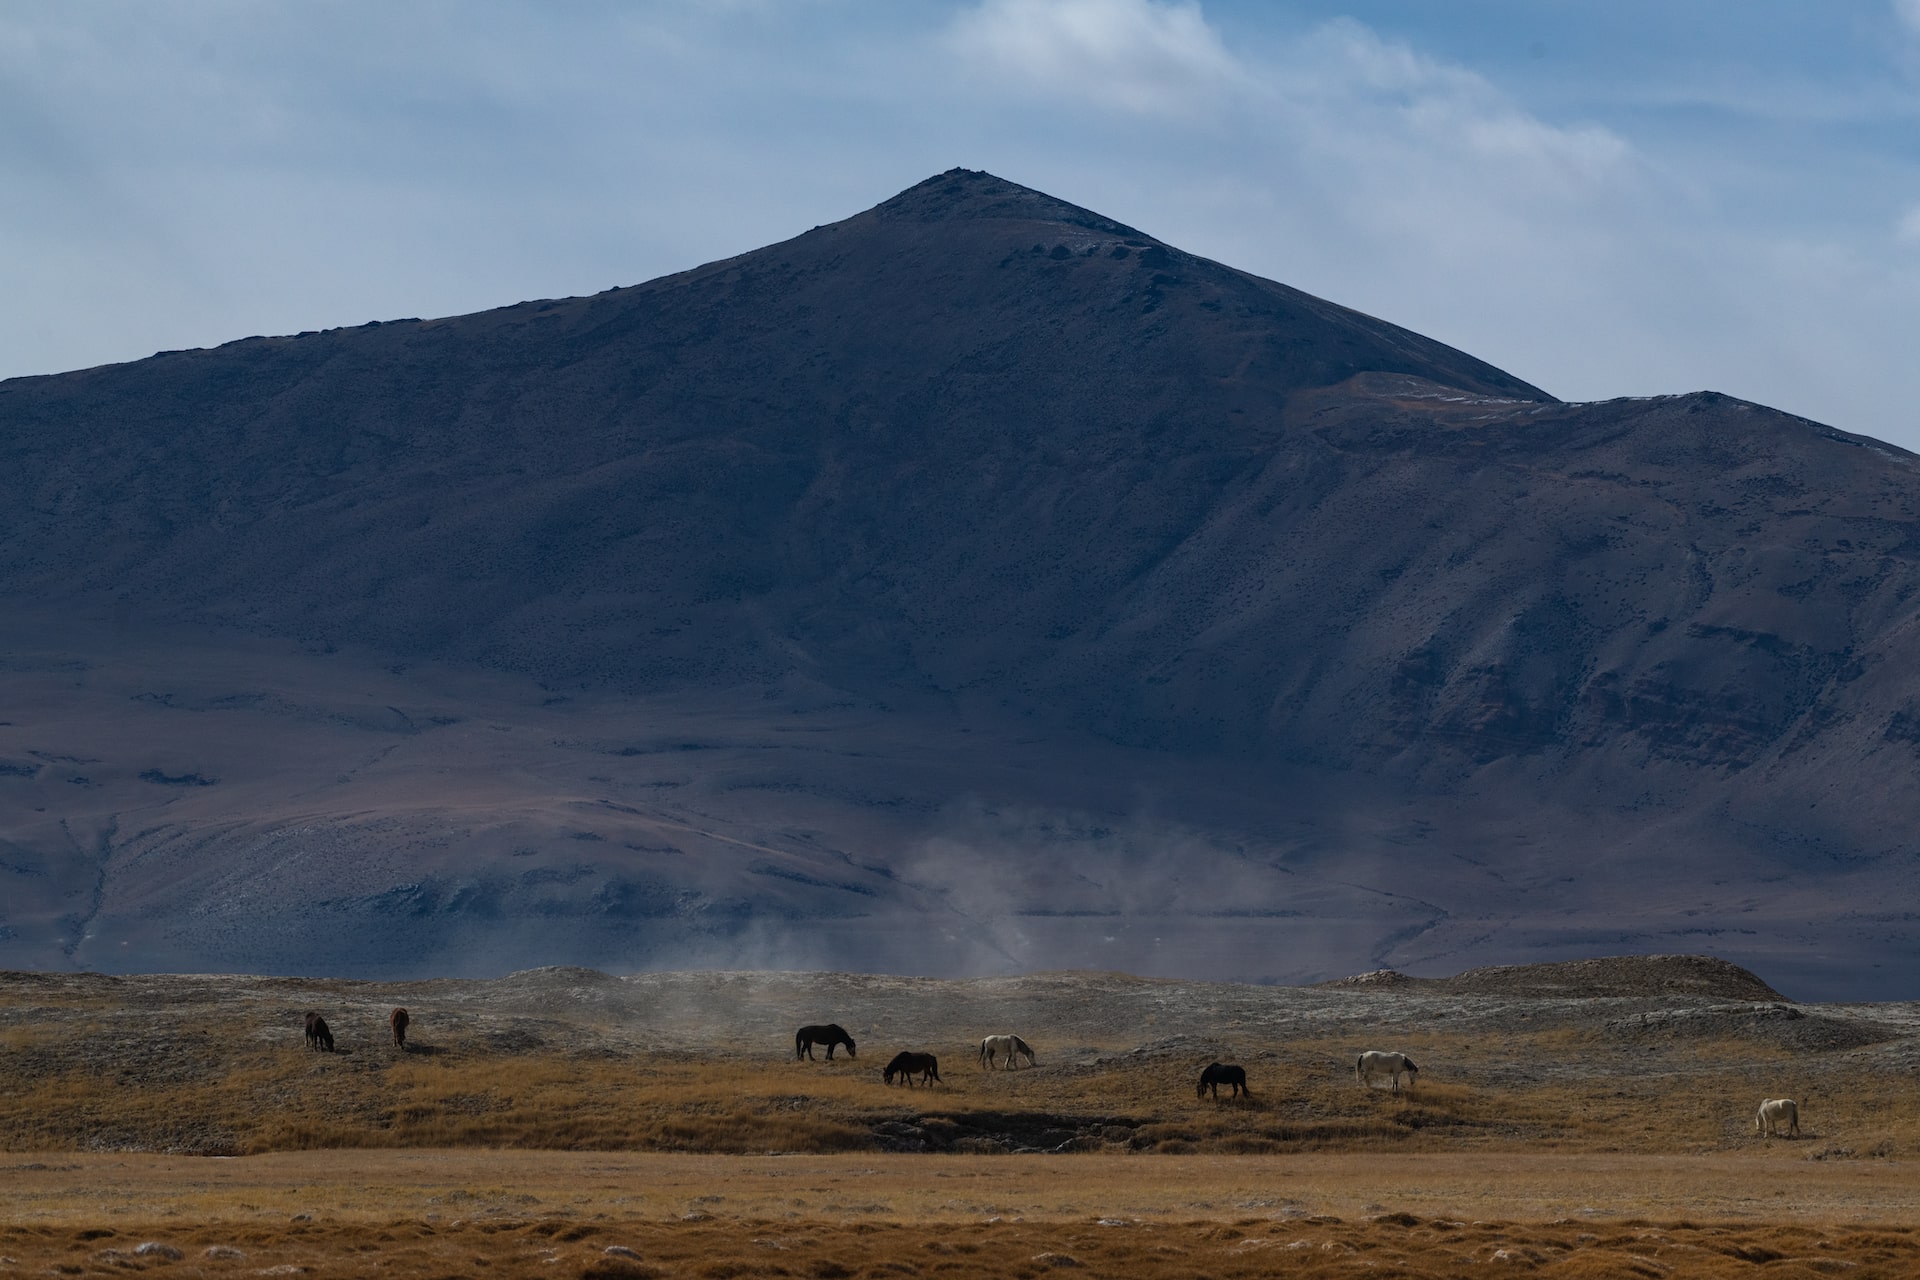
x=975, y=584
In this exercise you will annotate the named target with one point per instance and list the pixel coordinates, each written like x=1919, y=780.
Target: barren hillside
x=976, y=585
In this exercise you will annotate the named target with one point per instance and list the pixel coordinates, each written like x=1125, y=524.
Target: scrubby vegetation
x=218, y=1066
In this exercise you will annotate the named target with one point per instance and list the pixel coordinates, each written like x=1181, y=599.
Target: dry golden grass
x=534, y=1137
x=836, y=1217
x=72, y=1088
x=1405, y=1246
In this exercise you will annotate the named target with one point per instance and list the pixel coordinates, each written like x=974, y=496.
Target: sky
x=1604, y=197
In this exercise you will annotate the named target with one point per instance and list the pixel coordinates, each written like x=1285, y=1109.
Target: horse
x=1374, y=1062
x=398, y=1020
x=1216, y=1075
x=318, y=1034
x=830, y=1035
x=905, y=1064
x=1012, y=1046
x=1775, y=1114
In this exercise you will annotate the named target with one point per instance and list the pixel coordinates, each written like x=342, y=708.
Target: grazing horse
x=1012, y=1046
x=830, y=1035
x=1216, y=1075
x=319, y=1036
x=398, y=1020
x=1373, y=1063
x=1777, y=1114
x=905, y=1064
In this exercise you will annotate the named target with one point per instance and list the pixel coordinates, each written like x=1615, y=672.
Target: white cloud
x=1908, y=11
x=1349, y=89
x=1141, y=56
x=1372, y=173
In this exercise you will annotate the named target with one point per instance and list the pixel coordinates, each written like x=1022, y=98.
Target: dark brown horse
x=1216, y=1075
x=319, y=1036
x=906, y=1065
x=398, y=1020
x=829, y=1035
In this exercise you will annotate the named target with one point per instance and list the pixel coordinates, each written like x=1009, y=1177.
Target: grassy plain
x=564, y=1123
x=196, y=1094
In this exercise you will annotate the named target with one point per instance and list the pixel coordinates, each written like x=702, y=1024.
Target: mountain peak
x=973, y=539
x=974, y=194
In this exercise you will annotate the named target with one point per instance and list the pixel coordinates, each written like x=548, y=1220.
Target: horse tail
x=983, y=1051
x=1360, y=1068
x=799, y=1045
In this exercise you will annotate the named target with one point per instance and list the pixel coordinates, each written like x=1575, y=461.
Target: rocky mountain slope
x=973, y=585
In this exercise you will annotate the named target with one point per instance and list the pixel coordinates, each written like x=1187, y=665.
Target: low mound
x=1700, y=976
x=1780, y=1025
x=1380, y=980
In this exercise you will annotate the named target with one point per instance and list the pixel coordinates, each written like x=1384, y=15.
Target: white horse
x=1012, y=1046
x=1777, y=1115
x=1373, y=1063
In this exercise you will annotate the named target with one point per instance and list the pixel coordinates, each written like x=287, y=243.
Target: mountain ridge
x=1280, y=609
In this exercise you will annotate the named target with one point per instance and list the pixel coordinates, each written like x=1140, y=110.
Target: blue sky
x=1619, y=197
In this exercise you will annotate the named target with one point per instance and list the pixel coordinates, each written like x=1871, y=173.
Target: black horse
x=906, y=1064
x=319, y=1036
x=830, y=1035
x=1216, y=1075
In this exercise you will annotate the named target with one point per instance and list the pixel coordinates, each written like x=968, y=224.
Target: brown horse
x=398, y=1020
x=906, y=1064
x=319, y=1036
x=1216, y=1075
x=831, y=1035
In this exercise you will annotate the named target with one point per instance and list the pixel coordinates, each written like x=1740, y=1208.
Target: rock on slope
x=978, y=575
